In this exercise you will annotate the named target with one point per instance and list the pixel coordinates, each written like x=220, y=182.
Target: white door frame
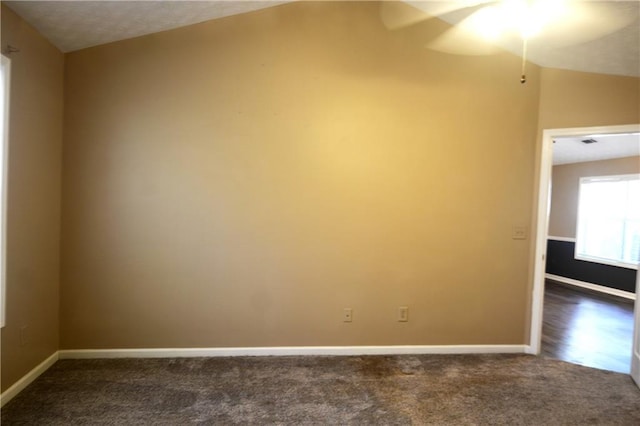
x=542, y=227
x=635, y=349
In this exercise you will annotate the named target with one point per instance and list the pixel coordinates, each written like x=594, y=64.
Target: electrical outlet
x=403, y=314
x=347, y=315
x=24, y=338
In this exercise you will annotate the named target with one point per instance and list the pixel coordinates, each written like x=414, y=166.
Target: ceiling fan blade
x=464, y=39
x=438, y=8
x=398, y=14
x=589, y=20
x=401, y=14
x=581, y=21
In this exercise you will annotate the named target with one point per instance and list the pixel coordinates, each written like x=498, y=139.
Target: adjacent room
x=593, y=250
x=295, y=212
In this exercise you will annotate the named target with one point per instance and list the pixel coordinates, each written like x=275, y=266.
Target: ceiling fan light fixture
x=489, y=22
x=526, y=17
x=540, y=14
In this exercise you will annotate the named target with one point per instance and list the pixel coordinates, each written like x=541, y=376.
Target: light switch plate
x=519, y=233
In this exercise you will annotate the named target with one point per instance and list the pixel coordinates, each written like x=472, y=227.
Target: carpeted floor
x=388, y=390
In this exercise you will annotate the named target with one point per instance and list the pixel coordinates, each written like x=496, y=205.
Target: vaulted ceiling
x=74, y=25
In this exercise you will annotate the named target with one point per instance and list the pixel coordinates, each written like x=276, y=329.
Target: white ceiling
x=572, y=150
x=77, y=24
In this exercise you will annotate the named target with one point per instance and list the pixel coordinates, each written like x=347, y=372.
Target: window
x=5, y=71
x=609, y=220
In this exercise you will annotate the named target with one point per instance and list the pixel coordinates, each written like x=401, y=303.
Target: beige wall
x=577, y=99
x=565, y=185
x=33, y=236
x=239, y=182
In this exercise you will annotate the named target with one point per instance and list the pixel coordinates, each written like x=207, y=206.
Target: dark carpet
x=362, y=390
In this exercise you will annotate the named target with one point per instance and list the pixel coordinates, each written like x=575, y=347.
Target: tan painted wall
x=565, y=185
x=33, y=236
x=239, y=182
x=578, y=99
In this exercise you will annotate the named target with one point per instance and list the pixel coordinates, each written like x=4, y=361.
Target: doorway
x=544, y=203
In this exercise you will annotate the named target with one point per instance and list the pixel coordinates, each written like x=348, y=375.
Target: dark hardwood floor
x=587, y=328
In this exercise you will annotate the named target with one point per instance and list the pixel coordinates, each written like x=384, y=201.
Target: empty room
x=297, y=212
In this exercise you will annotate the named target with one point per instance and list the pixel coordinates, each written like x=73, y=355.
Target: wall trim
x=591, y=286
x=26, y=380
x=288, y=350
x=567, y=239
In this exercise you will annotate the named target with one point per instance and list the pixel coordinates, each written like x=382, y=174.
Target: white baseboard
x=288, y=350
x=25, y=381
x=591, y=286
